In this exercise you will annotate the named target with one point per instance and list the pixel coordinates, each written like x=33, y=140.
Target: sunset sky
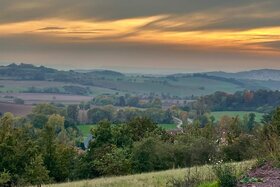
x=142, y=35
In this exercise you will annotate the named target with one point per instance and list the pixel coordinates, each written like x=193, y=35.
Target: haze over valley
x=154, y=93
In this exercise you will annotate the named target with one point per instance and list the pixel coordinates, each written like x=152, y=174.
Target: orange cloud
x=133, y=30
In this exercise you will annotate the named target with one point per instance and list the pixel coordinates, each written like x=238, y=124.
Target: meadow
x=85, y=129
x=240, y=114
x=155, y=179
x=181, y=86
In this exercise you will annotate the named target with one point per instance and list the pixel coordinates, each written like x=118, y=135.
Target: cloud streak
x=237, y=29
x=51, y=28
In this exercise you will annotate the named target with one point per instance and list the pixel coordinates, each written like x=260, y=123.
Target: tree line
x=259, y=100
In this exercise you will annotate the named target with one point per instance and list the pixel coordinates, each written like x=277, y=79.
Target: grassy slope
x=157, y=179
x=219, y=115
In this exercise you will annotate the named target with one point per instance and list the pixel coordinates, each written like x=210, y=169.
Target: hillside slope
x=153, y=179
x=114, y=81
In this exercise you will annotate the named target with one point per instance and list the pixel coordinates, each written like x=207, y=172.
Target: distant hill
x=101, y=72
x=31, y=72
x=106, y=73
x=262, y=74
x=86, y=82
x=25, y=72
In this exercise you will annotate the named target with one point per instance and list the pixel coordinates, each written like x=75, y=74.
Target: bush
x=151, y=155
x=226, y=174
x=189, y=180
x=19, y=101
x=269, y=139
x=240, y=149
x=5, y=178
x=209, y=184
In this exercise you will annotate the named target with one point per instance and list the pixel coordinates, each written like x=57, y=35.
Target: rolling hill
x=262, y=74
x=95, y=82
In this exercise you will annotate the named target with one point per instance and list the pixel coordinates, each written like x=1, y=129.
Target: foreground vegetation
x=156, y=179
x=46, y=146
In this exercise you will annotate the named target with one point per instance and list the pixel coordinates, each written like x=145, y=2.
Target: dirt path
x=269, y=176
x=178, y=122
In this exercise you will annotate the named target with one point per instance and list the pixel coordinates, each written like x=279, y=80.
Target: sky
x=147, y=36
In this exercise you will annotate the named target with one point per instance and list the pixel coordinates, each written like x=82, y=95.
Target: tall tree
x=35, y=172
x=72, y=113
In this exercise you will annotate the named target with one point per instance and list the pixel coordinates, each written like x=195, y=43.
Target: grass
x=241, y=114
x=168, y=126
x=156, y=179
x=181, y=87
x=85, y=129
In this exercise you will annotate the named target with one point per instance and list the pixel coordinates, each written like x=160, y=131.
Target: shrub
x=151, y=155
x=188, y=181
x=209, y=184
x=240, y=149
x=5, y=177
x=248, y=180
x=226, y=174
x=192, y=182
x=19, y=101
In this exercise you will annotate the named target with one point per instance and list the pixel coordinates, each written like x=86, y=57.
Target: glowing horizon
x=182, y=40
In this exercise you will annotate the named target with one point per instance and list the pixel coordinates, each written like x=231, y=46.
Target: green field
x=240, y=114
x=181, y=86
x=134, y=85
x=168, y=126
x=156, y=179
x=85, y=129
